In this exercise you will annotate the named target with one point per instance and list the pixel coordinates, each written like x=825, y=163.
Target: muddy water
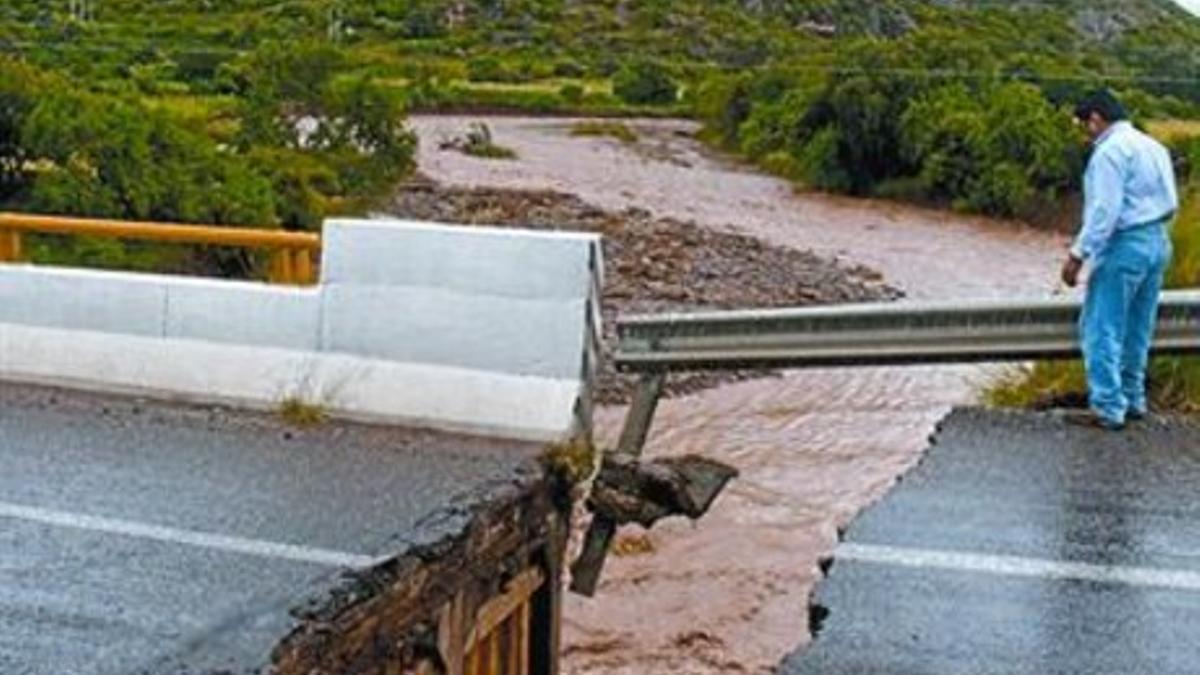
x=814, y=447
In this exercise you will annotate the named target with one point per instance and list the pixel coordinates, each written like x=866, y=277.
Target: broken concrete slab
x=631, y=491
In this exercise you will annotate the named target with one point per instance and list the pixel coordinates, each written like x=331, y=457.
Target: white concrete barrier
x=81, y=299
x=428, y=325
x=500, y=262
x=467, y=344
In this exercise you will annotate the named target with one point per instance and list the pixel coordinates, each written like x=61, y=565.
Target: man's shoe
x=1136, y=415
x=1089, y=419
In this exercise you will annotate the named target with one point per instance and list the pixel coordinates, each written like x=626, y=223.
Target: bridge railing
x=851, y=335
x=885, y=334
x=293, y=254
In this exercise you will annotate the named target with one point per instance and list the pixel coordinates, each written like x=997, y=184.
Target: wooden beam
x=494, y=612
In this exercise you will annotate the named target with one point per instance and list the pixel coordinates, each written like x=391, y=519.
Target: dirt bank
x=730, y=595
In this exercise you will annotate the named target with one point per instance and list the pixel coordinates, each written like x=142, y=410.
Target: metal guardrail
x=889, y=334
x=293, y=259
x=848, y=335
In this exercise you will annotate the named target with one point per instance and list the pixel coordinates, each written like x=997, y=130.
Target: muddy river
x=730, y=594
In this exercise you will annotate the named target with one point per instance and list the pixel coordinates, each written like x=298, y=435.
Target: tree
x=348, y=131
x=19, y=88
x=102, y=157
x=645, y=83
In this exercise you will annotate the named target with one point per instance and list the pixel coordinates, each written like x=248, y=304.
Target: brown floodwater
x=730, y=593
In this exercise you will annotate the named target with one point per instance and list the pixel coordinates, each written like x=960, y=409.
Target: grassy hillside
x=196, y=45
x=955, y=102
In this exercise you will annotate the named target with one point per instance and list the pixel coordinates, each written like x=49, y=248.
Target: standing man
x=1130, y=199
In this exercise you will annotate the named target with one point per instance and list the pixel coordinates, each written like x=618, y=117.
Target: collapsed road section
x=1023, y=545
x=145, y=538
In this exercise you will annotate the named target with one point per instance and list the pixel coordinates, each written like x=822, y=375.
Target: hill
x=949, y=101
x=187, y=41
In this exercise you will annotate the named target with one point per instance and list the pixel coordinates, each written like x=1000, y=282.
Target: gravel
x=656, y=264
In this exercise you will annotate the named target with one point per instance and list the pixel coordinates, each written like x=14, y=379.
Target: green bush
x=20, y=87
x=1187, y=152
x=571, y=93
x=617, y=130
x=569, y=69
x=487, y=69
x=67, y=151
x=478, y=142
x=821, y=164
x=531, y=100
x=776, y=126
x=294, y=101
x=102, y=157
x=645, y=83
x=424, y=21
x=723, y=103
x=994, y=149
x=877, y=126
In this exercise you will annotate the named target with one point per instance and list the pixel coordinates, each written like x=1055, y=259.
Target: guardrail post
x=10, y=246
x=302, y=265
x=292, y=266
x=282, y=269
x=585, y=573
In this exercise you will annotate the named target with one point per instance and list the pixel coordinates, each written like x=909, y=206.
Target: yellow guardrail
x=293, y=254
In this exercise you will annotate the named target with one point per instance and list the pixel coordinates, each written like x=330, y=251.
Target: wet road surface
x=135, y=534
x=1023, y=545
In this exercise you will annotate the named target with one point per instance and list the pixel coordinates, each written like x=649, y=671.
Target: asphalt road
x=1022, y=545
x=134, y=534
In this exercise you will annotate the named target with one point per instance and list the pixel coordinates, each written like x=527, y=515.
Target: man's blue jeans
x=1119, y=316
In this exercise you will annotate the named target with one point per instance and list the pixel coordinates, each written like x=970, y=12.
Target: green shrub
x=478, y=142
x=571, y=93
x=904, y=189
x=776, y=126
x=294, y=101
x=723, y=103
x=569, y=69
x=821, y=164
x=487, y=69
x=783, y=164
x=106, y=158
x=615, y=130
x=645, y=83
x=20, y=89
x=424, y=21
x=531, y=100
x=305, y=188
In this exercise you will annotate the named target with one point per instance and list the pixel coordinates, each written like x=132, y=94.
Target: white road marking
x=1018, y=566
x=171, y=535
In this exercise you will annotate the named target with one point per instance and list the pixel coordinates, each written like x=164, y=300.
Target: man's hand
x=1070, y=271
